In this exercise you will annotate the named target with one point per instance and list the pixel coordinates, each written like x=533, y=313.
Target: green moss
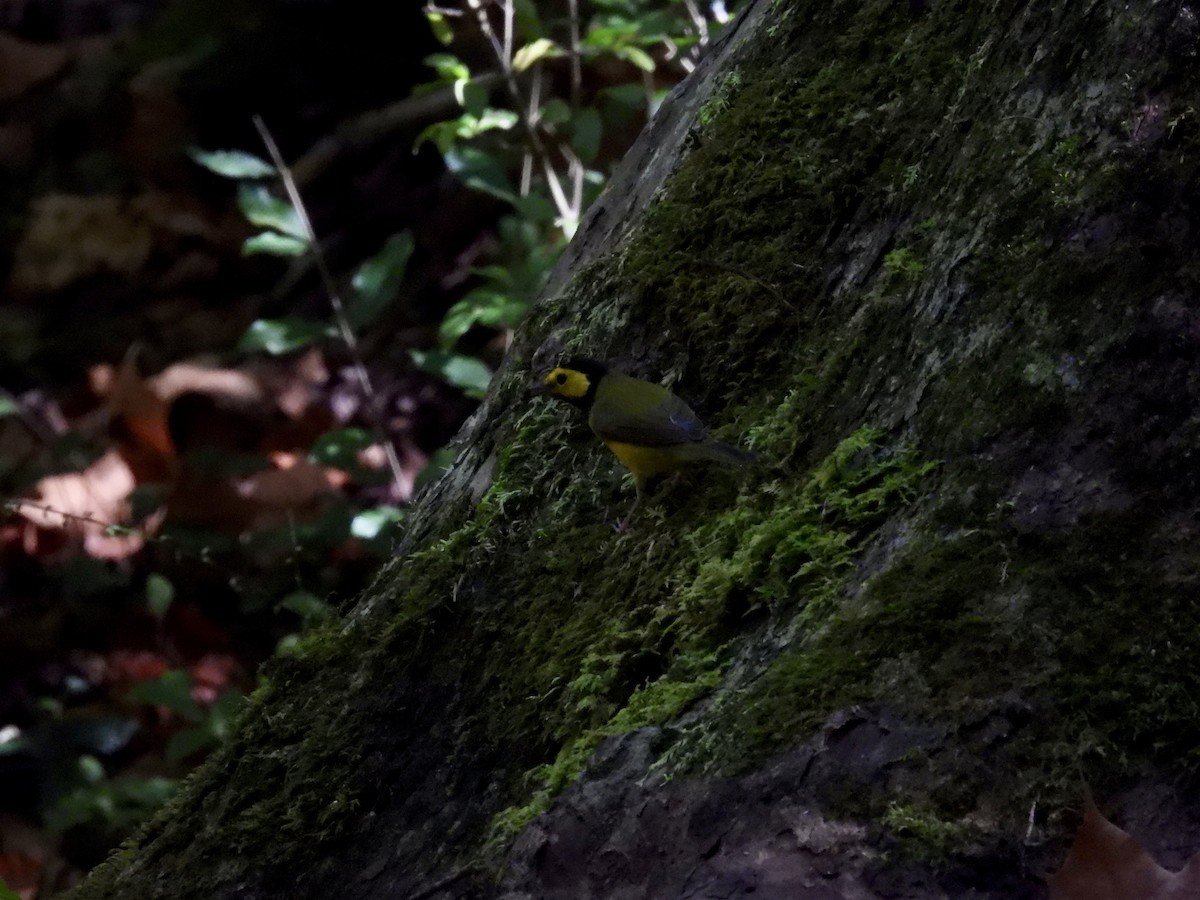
x=781, y=255
x=727, y=85
x=652, y=704
x=783, y=550
x=902, y=265
x=922, y=835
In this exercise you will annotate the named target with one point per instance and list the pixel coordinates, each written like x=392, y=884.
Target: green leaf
x=147, y=793
x=448, y=66
x=482, y=306
x=536, y=208
x=232, y=163
x=188, y=742
x=637, y=56
x=172, y=690
x=554, y=111
x=440, y=28
x=378, y=280
x=225, y=711
x=278, y=336
x=160, y=593
x=529, y=21
x=503, y=119
x=472, y=96
x=309, y=607
x=585, y=133
x=481, y=171
x=623, y=104
x=340, y=448
x=6, y=893
x=116, y=803
x=8, y=407
x=611, y=36
x=264, y=209
x=445, y=135
x=467, y=373
x=631, y=95
x=90, y=769
x=274, y=244
x=370, y=523
x=542, y=48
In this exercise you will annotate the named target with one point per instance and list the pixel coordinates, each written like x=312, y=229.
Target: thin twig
x=519, y=103
x=335, y=301
x=509, y=10
x=112, y=529
x=698, y=22
x=367, y=129
x=16, y=504
x=576, y=56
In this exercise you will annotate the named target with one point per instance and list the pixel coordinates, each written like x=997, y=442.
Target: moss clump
x=803, y=546
x=728, y=84
x=652, y=704
x=922, y=835
x=783, y=551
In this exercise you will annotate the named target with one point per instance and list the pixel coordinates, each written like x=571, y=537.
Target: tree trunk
x=935, y=263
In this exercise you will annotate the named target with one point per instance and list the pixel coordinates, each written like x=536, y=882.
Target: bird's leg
x=640, y=484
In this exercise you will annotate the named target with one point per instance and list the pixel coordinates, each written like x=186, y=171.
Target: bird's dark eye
x=562, y=378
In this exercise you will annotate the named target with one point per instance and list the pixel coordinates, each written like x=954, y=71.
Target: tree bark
x=936, y=264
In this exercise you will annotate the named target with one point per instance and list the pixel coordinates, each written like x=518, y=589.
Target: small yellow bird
x=650, y=430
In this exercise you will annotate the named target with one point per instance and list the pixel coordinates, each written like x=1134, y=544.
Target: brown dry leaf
x=184, y=378
x=292, y=490
x=140, y=410
x=24, y=65
x=293, y=487
x=80, y=504
x=143, y=406
x=22, y=874
x=1105, y=863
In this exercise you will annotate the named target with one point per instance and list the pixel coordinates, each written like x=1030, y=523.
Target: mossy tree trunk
x=936, y=263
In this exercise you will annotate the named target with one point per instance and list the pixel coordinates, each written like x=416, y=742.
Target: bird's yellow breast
x=644, y=462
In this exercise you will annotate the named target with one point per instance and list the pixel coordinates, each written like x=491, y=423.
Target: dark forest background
x=259, y=260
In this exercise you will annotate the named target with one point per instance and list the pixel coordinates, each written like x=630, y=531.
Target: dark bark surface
x=935, y=264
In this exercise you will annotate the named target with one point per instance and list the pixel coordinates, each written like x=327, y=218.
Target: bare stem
x=521, y=106
x=16, y=504
x=509, y=10
x=576, y=55
x=335, y=301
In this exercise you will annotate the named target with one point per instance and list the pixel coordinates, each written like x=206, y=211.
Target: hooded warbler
x=650, y=430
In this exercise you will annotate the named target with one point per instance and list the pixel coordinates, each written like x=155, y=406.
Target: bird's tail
x=719, y=451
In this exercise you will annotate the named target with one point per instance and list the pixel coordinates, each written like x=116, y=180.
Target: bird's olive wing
x=632, y=411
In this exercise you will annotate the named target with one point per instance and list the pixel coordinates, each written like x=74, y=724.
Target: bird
x=649, y=429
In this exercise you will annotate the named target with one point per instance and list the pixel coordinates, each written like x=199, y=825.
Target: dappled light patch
x=84, y=507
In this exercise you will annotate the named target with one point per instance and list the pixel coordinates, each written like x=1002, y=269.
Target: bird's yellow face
x=570, y=384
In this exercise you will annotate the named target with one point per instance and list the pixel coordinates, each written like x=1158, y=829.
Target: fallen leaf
x=1106, y=863
x=27, y=852
x=24, y=64
x=22, y=873
x=84, y=505
x=139, y=411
